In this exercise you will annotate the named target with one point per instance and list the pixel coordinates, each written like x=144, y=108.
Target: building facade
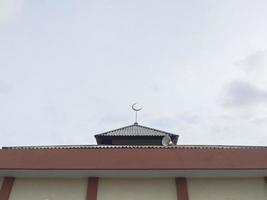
x=133, y=163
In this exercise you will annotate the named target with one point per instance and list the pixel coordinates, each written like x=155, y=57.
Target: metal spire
x=136, y=110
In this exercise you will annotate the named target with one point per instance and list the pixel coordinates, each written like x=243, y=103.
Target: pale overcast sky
x=71, y=69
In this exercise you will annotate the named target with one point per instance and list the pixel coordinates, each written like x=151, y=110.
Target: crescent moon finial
x=136, y=110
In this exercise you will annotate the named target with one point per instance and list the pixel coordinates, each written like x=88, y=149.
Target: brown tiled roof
x=124, y=158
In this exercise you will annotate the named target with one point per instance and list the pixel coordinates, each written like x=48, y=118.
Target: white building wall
x=49, y=189
x=139, y=189
x=136, y=189
x=227, y=189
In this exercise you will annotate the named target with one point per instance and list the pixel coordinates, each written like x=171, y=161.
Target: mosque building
x=133, y=163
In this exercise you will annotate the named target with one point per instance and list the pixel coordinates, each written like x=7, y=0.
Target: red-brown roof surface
x=138, y=158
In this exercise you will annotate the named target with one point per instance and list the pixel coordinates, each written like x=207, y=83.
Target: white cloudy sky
x=70, y=70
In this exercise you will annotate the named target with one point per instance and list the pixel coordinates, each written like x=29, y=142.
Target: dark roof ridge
x=134, y=147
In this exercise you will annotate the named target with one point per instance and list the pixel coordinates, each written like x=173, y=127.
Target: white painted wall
x=49, y=189
x=139, y=189
x=136, y=189
x=227, y=189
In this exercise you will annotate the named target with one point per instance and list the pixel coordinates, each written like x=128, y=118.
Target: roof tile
x=135, y=130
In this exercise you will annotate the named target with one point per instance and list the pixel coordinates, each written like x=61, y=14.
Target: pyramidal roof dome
x=134, y=135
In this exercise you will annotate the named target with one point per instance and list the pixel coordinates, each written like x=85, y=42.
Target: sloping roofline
x=135, y=131
x=135, y=124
